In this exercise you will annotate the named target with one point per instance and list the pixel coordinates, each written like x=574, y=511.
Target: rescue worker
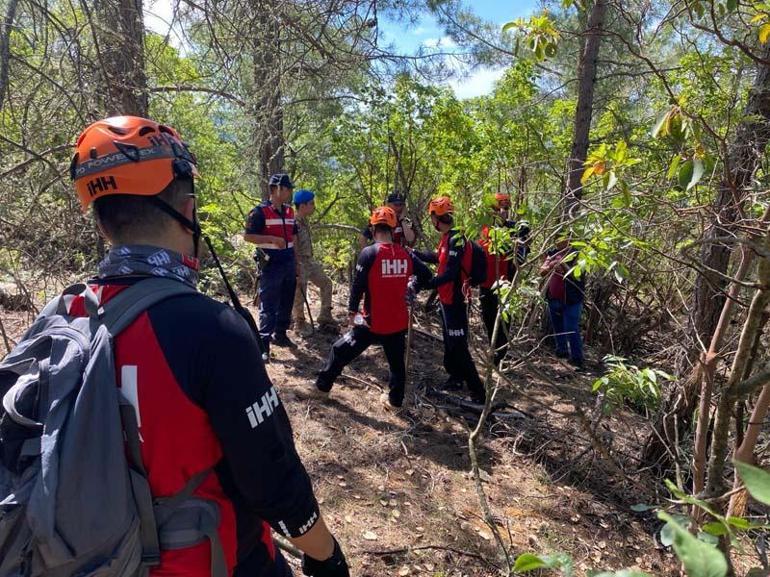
x=453, y=258
x=197, y=384
x=565, y=293
x=272, y=228
x=403, y=233
x=309, y=269
x=501, y=265
x=382, y=279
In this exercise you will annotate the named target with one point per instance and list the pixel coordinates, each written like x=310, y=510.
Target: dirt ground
x=396, y=488
x=397, y=491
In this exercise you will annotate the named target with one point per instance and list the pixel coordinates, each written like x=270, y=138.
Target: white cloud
x=443, y=42
x=479, y=82
x=158, y=15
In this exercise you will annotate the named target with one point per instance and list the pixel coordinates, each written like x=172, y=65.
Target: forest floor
x=396, y=488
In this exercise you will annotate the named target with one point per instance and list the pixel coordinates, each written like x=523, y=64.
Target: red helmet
x=383, y=215
x=502, y=200
x=110, y=150
x=441, y=206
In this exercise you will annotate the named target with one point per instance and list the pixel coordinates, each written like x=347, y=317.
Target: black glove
x=334, y=566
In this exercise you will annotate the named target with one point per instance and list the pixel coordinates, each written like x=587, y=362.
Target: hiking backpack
x=74, y=496
x=474, y=263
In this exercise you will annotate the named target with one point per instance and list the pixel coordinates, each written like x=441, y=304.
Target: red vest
x=388, y=277
x=446, y=291
x=277, y=225
x=498, y=265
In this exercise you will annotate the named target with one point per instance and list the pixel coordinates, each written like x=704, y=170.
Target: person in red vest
x=501, y=265
x=382, y=279
x=454, y=259
x=271, y=226
x=190, y=366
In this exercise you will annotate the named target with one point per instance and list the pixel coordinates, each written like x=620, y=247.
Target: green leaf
x=656, y=130
x=510, y=25
x=731, y=5
x=673, y=167
x=697, y=172
x=699, y=559
x=764, y=32
x=528, y=562
x=739, y=522
x=675, y=491
x=715, y=528
x=641, y=507
x=685, y=174
x=757, y=481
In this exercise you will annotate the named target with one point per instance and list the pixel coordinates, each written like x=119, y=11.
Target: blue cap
x=302, y=196
x=281, y=179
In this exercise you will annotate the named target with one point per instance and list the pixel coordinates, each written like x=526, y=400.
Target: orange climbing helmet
x=441, y=206
x=502, y=200
x=383, y=215
x=110, y=151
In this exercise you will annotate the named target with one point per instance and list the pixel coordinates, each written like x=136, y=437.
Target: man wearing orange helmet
x=190, y=367
x=453, y=259
x=382, y=279
x=502, y=262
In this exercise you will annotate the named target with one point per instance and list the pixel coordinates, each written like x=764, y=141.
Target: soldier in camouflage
x=309, y=270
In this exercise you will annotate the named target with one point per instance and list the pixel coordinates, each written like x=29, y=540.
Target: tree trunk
x=586, y=84
x=743, y=158
x=5, y=47
x=119, y=34
x=269, y=141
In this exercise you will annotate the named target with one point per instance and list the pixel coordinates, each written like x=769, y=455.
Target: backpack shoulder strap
x=120, y=311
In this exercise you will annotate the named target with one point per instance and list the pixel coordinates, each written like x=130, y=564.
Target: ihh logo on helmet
x=102, y=184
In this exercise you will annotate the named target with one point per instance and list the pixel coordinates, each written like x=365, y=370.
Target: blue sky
x=407, y=38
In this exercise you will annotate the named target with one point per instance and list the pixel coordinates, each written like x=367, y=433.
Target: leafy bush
x=626, y=384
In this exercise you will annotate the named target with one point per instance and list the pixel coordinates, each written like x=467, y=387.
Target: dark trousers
x=489, y=302
x=350, y=345
x=565, y=320
x=276, y=298
x=458, y=361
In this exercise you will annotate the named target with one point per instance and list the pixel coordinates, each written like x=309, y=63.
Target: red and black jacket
x=192, y=368
x=268, y=220
x=383, y=271
x=499, y=266
x=454, y=265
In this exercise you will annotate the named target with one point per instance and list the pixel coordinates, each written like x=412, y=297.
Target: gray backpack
x=74, y=497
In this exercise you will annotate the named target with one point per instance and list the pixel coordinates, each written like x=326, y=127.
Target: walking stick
x=407, y=362
x=307, y=305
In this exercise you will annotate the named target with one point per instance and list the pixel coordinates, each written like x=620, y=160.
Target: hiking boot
x=304, y=330
x=389, y=405
x=451, y=384
x=328, y=326
x=478, y=397
x=282, y=340
x=321, y=389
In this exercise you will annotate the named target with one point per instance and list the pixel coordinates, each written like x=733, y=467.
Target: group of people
x=388, y=273
x=208, y=428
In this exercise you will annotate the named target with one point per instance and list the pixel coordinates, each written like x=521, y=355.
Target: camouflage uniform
x=310, y=270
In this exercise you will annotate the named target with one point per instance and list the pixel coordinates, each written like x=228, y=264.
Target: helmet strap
x=192, y=225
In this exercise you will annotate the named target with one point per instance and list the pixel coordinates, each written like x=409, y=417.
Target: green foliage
x=539, y=33
x=757, y=481
x=627, y=384
x=699, y=559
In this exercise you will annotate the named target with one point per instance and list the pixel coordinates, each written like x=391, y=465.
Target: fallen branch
x=437, y=547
